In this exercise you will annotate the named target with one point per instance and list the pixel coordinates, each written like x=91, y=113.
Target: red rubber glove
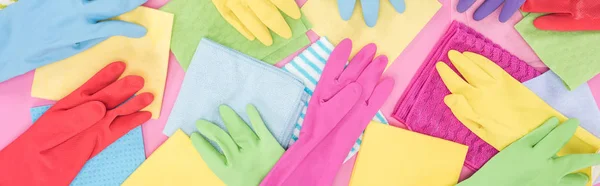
x=75, y=129
x=565, y=15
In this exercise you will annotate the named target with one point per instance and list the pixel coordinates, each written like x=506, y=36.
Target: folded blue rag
x=578, y=103
x=114, y=164
x=219, y=75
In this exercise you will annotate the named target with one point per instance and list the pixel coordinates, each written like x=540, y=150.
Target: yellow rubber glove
x=254, y=18
x=497, y=107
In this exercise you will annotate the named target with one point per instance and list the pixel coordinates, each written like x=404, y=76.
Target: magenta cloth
x=422, y=106
x=503, y=34
x=152, y=130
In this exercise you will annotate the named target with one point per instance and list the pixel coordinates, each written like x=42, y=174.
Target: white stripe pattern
x=308, y=67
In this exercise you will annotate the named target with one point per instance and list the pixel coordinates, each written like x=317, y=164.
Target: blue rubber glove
x=34, y=33
x=370, y=9
x=489, y=6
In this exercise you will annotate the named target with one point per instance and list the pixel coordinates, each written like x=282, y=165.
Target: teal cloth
x=197, y=19
x=114, y=164
x=573, y=56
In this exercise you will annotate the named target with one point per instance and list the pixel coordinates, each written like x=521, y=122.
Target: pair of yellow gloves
x=498, y=108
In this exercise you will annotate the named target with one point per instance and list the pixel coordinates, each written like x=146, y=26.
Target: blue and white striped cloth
x=308, y=67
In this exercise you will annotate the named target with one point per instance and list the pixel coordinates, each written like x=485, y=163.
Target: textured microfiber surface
x=308, y=66
x=114, y=164
x=219, y=75
x=199, y=18
x=573, y=56
x=422, y=107
x=578, y=103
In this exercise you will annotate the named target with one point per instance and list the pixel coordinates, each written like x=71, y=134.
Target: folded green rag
x=195, y=19
x=573, y=56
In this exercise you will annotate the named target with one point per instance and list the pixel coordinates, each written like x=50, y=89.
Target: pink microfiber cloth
x=422, y=106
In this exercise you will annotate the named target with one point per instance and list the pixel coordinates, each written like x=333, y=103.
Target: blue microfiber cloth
x=219, y=75
x=114, y=164
x=578, y=103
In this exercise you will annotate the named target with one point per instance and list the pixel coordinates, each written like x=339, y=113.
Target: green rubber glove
x=247, y=155
x=531, y=160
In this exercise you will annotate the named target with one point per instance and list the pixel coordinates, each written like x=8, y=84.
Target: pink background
x=15, y=99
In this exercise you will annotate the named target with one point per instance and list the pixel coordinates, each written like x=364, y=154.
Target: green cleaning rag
x=195, y=19
x=573, y=56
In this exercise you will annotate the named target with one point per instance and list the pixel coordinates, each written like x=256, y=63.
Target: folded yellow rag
x=175, y=162
x=147, y=57
x=394, y=156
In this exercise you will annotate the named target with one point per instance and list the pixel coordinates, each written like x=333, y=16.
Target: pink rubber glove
x=353, y=95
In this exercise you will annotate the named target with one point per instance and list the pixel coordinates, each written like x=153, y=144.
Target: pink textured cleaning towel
x=422, y=107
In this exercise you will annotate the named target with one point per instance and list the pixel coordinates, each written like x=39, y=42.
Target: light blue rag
x=114, y=164
x=219, y=75
x=578, y=103
x=308, y=66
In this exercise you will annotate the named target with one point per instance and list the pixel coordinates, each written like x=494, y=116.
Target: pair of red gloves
x=54, y=149
x=565, y=15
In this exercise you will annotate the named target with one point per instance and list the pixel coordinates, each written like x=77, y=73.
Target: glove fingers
x=209, y=154
x=214, y=133
x=230, y=17
x=573, y=162
x=252, y=23
x=486, y=9
x=542, y=131
x=78, y=119
x=464, y=5
x=111, y=28
x=118, y=92
x=469, y=68
x=123, y=124
x=369, y=78
x=557, y=138
x=289, y=7
x=239, y=131
x=120, y=126
x=271, y=17
x=370, y=11
x=336, y=62
x=454, y=82
x=463, y=111
x=574, y=179
x=510, y=7
x=546, y=6
x=358, y=64
x=109, y=74
x=565, y=22
x=342, y=102
x=134, y=105
x=380, y=94
x=346, y=7
x=399, y=5
x=98, y=10
x=491, y=68
x=258, y=124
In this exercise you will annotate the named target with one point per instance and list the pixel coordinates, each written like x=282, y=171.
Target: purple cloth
x=422, y=107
